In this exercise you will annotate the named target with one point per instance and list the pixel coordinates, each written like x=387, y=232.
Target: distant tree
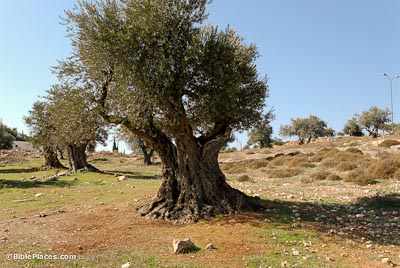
x=136, y=144
x=114, y=147
x=374, y=119
x=43, y=133
x=353, y=128
x=261, y=134
x=178, y=83
x=330, y=132
x=6, y=138
x=76, y=123
x=306, y=129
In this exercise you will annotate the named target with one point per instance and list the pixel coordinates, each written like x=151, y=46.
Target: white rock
x=121, y=178
x=386, y=261
x=210, y=246
x=126, y=265
x=39, y=195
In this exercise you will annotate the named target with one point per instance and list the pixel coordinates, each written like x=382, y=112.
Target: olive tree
x=306, y=129
x=136, y=144
x=76, y=123
x=353, y=128
x=43, y=133
x=261, y=134
x=374, y=119
x=179, y=85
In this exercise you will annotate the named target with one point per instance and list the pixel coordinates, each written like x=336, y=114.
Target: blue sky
x=322, y=57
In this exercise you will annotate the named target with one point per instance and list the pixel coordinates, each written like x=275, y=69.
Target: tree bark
x=51, y=159
x=77, y=158
x=194, y=186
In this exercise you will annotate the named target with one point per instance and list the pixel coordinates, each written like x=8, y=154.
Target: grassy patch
x=284, y=172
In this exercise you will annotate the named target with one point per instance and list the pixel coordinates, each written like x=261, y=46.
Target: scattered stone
x=285, y=264
x=360, y=215
x=33, y=177
x=295, y=253
x=121, y=178
x=183, y=246
x=3, y=239
x=210, y=246
x=39, y=195
x=388, y=262
x=126, y=265
x=344, y=255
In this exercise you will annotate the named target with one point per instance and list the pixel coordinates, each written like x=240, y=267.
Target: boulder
x=121, y=178
x=210, y=246
x=183, y=246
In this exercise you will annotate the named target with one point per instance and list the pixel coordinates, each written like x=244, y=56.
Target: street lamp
x=391, y=95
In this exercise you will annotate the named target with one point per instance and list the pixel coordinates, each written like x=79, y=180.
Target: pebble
x=126, y=265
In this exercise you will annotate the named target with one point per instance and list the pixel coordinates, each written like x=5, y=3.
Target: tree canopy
x=374, y=119
x=306, y=129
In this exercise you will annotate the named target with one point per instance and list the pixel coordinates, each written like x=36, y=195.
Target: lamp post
x=391, y=95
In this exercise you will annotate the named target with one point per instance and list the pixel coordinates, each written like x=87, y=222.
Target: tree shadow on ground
x=132, y=175
x=34, y=183
x=374, y=218
x=371, y=218
x=19, y=170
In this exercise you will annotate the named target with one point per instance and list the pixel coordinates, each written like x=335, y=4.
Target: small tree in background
x=136, y=144
x=261, y=134
x=353, y=128
x=6, y=138
x=306, y=129
x=43, y=133
x=374, y=119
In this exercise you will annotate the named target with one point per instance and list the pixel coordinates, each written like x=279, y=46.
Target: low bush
x=388, y=143
x=243, y=178
x=319, y=175
x=346, y=166
x=284, y=172
x=385, y=168
x=334, y=177
x=354, y=151
x=360, y=177
x=258, y=163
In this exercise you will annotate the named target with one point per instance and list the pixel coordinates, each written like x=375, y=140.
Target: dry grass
x=388, y=143
x=284, y=172
x=319, y=175
x=360, y=177
x=334, y=177
x=385, y=168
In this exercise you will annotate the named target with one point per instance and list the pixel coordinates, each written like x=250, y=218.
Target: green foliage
x=261, y=134
x=153, y=65
x=353, y=128
x=306, y=129
x=374, y=119
x=8, y=135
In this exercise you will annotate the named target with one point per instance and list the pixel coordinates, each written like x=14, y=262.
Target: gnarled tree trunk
x=51, y=159
x=77, y=158
x=194, y=186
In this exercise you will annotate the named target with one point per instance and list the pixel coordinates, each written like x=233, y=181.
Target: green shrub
x=334, y=177
x=284, y=172
x=388, y=143
x=360, y=177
